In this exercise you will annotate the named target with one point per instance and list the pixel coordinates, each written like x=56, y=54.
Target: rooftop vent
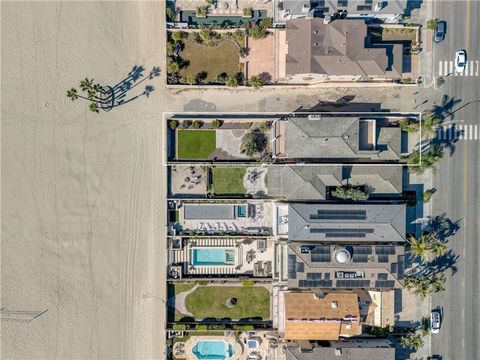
x=334, y=305
x=342, y=256
x=338, y=352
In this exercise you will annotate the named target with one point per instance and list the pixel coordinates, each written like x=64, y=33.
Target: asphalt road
x=458, y=185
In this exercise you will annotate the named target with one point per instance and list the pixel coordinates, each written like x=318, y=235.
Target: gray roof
x=208, y=212
x=346, y=222
x=330, y=353
x=336, y=48
x=368, y=267
x=311, y=182
x=337, y=137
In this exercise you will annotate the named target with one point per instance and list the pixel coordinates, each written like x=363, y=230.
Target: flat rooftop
x=360, y=223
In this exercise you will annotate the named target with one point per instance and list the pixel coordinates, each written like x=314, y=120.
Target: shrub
x=431, y=24
x=186, y=124
x=191, y=80
x=239, y=37
x=177, y=36
x=256, y=82
x=172, y=66
x=232, y=81
x=265, y=126
x=170, y=48
x=173, y=124
x=201, y=327
x=253, y=142
x=248, y=125
x=408, y=125
x=427, y=196
x=179, y=327
x=202, y=11
x=243, y=327
x=170, y=13
x=217, y=123
x=247, y=12
x=197, y=124
x=248, y=283
x=216, y=327
x=354, y=193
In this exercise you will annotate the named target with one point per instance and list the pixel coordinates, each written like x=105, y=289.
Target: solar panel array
x=354, y=284
x=385, y=250
x=360, y=258
x=339, y=215
x=384, y=284
x=292, y=261
x=320, y=253
x=382, y=276
x=315, y=283
x=342, y=233
x=342, y=3
x=361, y=249
x=366, y=6
x=300, y=267
x=401, y=267
x=382, y=258
x=314, y=276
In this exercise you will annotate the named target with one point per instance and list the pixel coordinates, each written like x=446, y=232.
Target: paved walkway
x=178, y=302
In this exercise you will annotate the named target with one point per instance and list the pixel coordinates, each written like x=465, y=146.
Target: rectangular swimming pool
x=212, y=350
x=213, y=257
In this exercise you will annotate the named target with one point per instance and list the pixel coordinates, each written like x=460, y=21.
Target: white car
x=460, y=60
x=435, y=322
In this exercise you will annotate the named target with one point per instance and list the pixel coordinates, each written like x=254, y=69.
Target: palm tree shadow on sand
x=106, y=97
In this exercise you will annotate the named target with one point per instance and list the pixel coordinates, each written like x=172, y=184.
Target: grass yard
x=195, y=144
x=173, y=290
x=209, y=302
x=213, y=60
x=228, y=180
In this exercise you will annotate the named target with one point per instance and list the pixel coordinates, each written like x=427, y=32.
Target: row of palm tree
x=420, y=161
x=92, y=90
x=422, y=284
x=425, y=245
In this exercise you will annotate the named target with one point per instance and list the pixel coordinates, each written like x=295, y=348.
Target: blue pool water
x=213, y=256
x=212, y=350
x=241, y=210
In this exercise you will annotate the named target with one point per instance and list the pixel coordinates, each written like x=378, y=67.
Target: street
x=457, y=181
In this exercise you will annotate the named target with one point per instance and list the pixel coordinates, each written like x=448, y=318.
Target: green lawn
x=195, y=144
x=172, y=290
x=228, y=180
x=214, y=60
x=209, y=302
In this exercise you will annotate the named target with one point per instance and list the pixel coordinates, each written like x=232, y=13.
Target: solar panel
x=314, y=276
x=292, y=261
x=321, y=249
x=342, y=3
x=360, y=258
x=394, y=268
x=344, y=233
x=315, y=283
x=401, y=267
x=385, y=250
x=300, y=267
x=339, y=215
x=362, y=250
x=382, y=258
x=320, y=258
x=384, y=284
x=353, y=283
x=382, y=276
x=302, y=283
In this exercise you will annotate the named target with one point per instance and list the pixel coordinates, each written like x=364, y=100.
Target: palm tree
x=423, y=288
x=437, y=249
x=437, y=281
x=421, y=162
x=93, y=107
x=256, y=81
x=430, y=121
x=86, y=84
x=418, y=247
x=72, y=94
x=412, y=340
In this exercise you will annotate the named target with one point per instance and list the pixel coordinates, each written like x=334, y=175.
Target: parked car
x=460, y=60
x=435, y=322
x=440, y=30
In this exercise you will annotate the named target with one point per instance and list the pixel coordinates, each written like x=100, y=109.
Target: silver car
x=435, y=322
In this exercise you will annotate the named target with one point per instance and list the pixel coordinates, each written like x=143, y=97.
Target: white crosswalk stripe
x=460, y=132
x=446, y=67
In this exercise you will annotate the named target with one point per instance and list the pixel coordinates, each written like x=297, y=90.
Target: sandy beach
x=80, y=191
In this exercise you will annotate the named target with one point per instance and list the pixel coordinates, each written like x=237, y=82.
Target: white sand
x=80, y=191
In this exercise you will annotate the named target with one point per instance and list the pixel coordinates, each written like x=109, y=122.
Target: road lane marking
x=460, y=132
x=451, y=67
x=465, y=175
x=440, y=68
x=477, y=62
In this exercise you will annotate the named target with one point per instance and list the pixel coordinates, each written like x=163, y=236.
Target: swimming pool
x=213, y=257
x=212, y=350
